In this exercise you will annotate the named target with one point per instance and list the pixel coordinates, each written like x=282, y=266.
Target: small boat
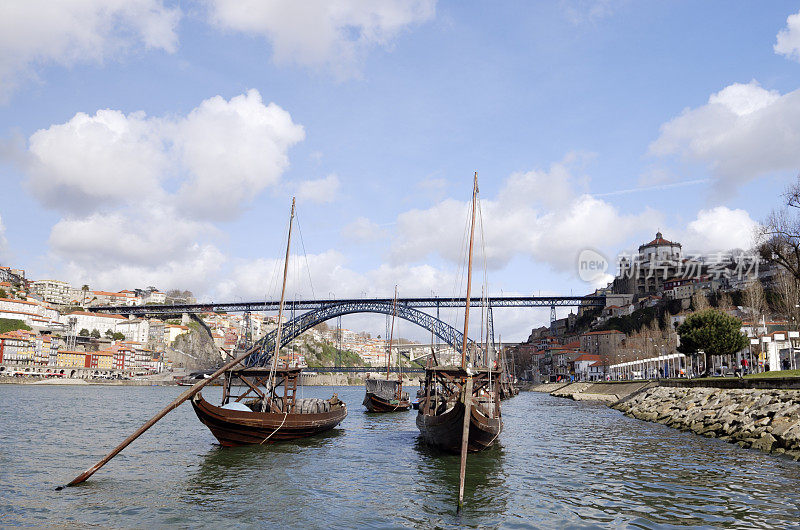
x=385, y=395
x=266, y=416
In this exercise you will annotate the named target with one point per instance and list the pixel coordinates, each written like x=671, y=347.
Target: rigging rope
x=308, y=267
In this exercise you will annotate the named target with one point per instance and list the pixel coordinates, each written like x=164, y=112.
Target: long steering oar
x=180, y=399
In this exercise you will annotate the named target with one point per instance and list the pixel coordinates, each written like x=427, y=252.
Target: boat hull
x=375, y=403
x=445, y=431
x=234, y=427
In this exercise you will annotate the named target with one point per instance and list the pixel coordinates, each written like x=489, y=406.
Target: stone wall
x=608, y=392
x=767, y=420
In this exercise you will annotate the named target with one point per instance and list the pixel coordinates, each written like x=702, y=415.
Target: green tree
x=114, y=335
x=84, y=332
x=712, y=332
x=85, y=289
x=95, y=334
x=3, y=293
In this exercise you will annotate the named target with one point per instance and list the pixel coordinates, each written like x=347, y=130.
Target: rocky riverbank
x=767, y=420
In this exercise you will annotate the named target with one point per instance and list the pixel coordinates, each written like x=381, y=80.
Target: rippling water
x=559, y=463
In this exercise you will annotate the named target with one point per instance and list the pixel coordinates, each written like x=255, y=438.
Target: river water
x=559, y=464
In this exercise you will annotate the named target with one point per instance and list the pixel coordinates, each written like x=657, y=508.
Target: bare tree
x=700, y=301
x=786, y=287
x=754, y=300
x=779, y=237
x=725, y=302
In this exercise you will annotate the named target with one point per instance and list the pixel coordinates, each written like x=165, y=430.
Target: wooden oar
x=464, y=441
x=180, y=399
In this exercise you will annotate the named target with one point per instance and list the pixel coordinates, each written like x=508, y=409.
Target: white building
x=53, y=291
x=137, y=330
x=28, y=307
x=155, y=297
x=92, y=321
x=171, y=332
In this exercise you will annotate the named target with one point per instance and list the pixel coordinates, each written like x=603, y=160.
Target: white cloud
x=334, y=34
x=147, y=245
x=719, y=229
x=147, y=235
x=552, y=188
x=134, y=189
x=363, y=230
x=192, y=270
x=232, y=150
x=743, y=132
x=318, y=191
x=223, y=153
x=788, y=40
x=92, y=160
x=331, y=275
x=67, y=32
x=537, y=214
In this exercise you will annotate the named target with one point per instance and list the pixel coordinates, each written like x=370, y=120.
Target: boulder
x=765, y=443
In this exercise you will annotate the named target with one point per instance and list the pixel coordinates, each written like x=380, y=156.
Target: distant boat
x=266, y=408
x=385, y=395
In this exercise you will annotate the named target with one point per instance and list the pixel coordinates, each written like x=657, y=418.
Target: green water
x=559, y=464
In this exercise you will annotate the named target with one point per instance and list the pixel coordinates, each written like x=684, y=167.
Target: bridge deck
x=424, y=302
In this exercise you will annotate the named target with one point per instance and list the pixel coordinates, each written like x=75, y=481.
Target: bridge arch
x=298, y=325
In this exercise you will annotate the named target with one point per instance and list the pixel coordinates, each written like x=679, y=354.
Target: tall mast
x=469, y=273
x=283, y=293
x=391, y=333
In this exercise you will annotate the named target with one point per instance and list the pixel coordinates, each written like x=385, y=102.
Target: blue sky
x=151, y=142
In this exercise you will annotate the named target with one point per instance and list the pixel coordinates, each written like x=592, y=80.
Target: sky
x=152, y=142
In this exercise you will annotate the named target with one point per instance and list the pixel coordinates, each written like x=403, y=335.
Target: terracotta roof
x=588, y=357
x=17, y=301
x=658, y=242
x=89, y=313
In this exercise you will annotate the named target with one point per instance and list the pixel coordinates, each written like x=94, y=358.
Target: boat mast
x=469, y=273
x=283, y=298
x=391, y=333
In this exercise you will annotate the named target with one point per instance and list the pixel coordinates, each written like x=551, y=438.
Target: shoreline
x=766, y=419
x=40, y=381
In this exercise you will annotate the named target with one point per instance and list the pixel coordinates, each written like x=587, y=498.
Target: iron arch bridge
x=298, y=325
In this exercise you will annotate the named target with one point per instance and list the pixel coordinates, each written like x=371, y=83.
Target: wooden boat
x=265, y=416
x=461, y=401
x=385, y=396
x=441, y=412
x=258, y=414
